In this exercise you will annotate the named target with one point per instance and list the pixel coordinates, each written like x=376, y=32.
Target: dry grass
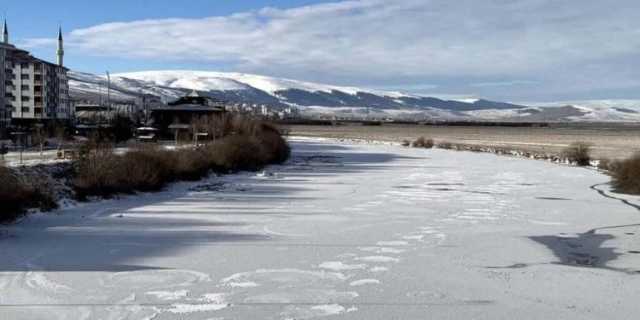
x=19, y=193
x=578, y=153
x=247, y=145
x=423, y=142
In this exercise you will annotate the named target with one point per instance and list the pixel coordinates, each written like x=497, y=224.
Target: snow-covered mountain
x=240, y=87
x=320, y=99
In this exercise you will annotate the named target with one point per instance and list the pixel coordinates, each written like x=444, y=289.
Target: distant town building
x=31, y=88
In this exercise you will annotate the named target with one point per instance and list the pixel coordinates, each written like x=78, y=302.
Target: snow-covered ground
x=344, y=231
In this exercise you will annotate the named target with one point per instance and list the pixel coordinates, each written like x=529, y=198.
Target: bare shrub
x=221, y=126
x=249, y=145
x=95, y=168
x=143, y=170
x=19, y=193
x=609, y=165
x=423, y=142
x=578, y=153
x=103, y=173
x=626, y=175
x=274, y=147
x=445, y=145
x=236, y=153
x=190, y=165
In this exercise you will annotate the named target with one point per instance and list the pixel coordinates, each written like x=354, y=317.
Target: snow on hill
x=240, y=87
x=224, y=81
x=195, y=80
x=619, y=110
x=327, y=100
x=85, y=86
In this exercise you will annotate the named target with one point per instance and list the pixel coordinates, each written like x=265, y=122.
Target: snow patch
x=169, y=295
x=192, y=308
x=247, y=284
x=379, y=269
x=39, y=281
x=378, y=259
x=329, y=309
x=339, y=266
x=392, y=243
x=364, y=282
x=382, y=250
x=318, y=311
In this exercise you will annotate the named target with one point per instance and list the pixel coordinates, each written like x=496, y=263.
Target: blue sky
x=515, y=50
x=45, y=15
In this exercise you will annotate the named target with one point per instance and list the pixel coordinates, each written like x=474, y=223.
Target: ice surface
x=345, y=231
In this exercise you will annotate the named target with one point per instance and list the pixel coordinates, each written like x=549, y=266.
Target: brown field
x=612, y=141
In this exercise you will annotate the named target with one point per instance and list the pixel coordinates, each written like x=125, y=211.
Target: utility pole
x=109, y=96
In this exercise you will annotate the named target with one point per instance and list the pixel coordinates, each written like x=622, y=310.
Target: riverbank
x=101, y=172
x=609, y=141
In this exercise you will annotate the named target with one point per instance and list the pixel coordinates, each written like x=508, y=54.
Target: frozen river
x=344, y=231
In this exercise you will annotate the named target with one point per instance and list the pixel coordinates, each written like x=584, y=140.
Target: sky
x=513, y=50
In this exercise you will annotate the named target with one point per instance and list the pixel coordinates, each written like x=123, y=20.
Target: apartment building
x=33, y=89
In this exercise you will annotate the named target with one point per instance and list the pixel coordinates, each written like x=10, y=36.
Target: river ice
x=343, y=231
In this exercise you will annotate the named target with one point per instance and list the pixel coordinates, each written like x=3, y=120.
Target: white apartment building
x=32, y=89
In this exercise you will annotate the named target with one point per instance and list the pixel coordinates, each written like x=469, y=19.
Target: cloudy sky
x=516, y=50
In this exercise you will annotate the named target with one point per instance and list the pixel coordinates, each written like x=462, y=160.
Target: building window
x=25, y=98
x=24, y=65
x=24, y=87
x=24, y=77
x=25, y=109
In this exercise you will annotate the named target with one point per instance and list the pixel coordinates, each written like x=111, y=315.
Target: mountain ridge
x=316, y=99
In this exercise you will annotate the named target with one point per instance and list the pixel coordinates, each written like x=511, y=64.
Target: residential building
x=32, y=89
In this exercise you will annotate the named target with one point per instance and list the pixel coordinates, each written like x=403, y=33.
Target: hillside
x=321, y=100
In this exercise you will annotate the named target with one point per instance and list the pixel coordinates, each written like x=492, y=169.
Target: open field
x=342, y=231
x=613, y=141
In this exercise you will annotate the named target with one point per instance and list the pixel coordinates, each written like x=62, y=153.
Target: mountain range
x=316, y=100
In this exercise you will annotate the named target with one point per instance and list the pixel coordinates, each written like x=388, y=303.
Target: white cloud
x=391, y=40
x=503, y=83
